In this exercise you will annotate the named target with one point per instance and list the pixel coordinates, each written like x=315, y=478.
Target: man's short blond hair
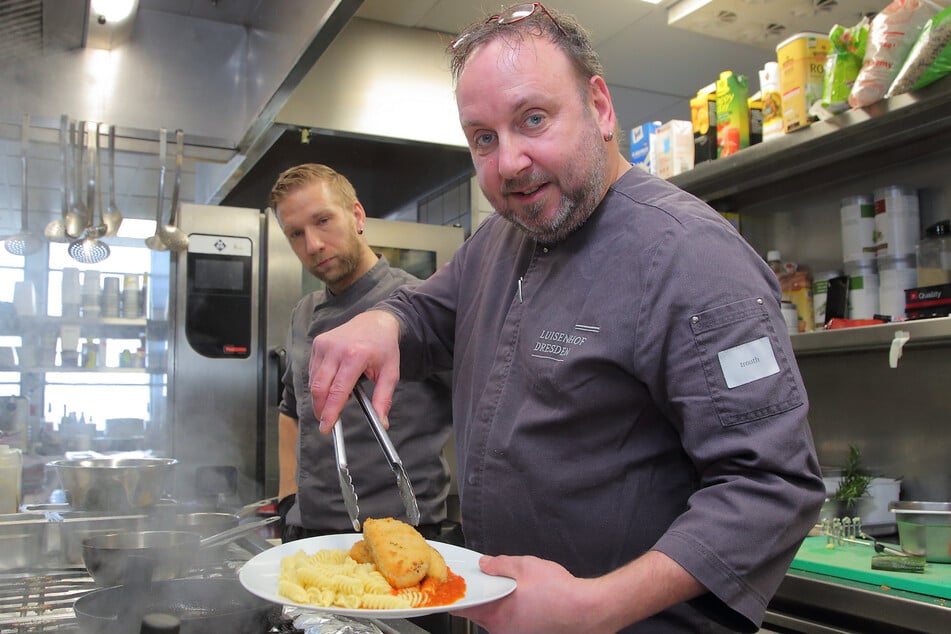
x=292, y=179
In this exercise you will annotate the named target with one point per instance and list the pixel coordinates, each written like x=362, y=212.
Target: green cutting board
x=854, y=561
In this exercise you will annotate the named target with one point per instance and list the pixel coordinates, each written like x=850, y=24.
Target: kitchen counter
x=843, y=595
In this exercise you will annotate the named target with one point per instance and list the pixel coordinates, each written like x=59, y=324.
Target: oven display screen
x=218, y=275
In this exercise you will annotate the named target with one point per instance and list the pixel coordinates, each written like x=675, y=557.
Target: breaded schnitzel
x=400, y=553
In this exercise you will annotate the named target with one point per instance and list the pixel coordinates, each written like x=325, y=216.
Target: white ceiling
x=654, y=69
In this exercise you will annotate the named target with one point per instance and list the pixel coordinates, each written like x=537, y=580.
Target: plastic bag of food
x=891, y=35
x=843, y=64
x=930, y=57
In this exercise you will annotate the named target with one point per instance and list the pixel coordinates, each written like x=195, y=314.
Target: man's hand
x=367, y=344
x=550, y=600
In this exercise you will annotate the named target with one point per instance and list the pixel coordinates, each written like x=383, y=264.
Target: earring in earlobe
x=360, y=231
x=608, y=137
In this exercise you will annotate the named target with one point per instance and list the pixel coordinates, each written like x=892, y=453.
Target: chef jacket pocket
x=746, y=367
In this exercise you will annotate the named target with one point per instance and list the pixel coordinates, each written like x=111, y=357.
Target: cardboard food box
x=703, y=117
x=801, y=60
x=641, y=145
x=928, y=301
x=733, y=114
x=672, y=148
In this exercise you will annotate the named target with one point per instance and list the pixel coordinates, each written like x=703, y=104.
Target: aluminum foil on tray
x=326, y=623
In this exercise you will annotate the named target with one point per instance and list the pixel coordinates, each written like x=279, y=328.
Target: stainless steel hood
x=218, y=70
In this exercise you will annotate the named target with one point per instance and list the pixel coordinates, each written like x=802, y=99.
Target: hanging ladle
x=173, y=237
x=154, y=241
x=90, y=249
x=56, y=229
x=76, y=217
x=24, y=243
x=112, y=218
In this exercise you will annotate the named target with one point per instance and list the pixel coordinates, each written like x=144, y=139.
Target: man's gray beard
x=576, y=206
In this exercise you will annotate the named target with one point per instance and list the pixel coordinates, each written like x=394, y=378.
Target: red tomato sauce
x=444, y=593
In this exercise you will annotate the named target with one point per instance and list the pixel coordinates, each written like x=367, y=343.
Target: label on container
x=897, y=223
x=858, y=229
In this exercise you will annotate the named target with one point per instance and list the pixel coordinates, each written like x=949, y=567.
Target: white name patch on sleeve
x=748, y=362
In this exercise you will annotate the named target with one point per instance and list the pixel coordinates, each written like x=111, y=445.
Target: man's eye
x=295, y=234
x=534, y=120
x=484, y=139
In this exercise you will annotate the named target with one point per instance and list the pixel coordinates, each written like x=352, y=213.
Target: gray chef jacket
x=420, y=422
x=629, y=388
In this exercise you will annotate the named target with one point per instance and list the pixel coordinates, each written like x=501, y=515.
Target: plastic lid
x=773, y=256
x=892, y=190
x=897, y=261
x=856, y=200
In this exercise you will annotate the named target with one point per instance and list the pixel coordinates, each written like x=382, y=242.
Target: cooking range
x=39, y=591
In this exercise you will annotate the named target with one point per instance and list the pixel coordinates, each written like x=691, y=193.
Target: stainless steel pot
x=114, y=484
x=924, y=528
x=147, y=556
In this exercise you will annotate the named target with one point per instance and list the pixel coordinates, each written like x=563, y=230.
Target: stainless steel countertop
x=814, y=603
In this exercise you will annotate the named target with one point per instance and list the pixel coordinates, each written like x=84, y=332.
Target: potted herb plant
x=854, y=483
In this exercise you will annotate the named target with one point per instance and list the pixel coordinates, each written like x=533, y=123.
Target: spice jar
x=934, y=255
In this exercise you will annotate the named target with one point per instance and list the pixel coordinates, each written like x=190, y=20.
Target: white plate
x=259, y=576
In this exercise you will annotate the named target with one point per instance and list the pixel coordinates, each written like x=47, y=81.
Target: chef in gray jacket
x=323, y=220
x=630, y=422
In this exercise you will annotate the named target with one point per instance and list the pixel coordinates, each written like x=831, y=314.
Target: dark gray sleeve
x=717, y=358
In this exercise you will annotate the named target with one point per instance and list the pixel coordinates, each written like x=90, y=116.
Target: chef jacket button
x=694, y=319
x=544, y=249
x=471, y=480
x=759, y=300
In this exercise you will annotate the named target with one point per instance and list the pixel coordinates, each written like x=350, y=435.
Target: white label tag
x=748, y=362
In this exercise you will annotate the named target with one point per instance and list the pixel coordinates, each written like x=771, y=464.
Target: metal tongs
x=343, y=470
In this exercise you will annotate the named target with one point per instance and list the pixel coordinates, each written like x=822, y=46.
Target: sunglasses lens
x=516, y=13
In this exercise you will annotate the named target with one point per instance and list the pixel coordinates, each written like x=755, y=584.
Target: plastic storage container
x=934, y=255
x=863, y=288
x=895, y=274
x=11, y=478
x=897, y=222
x=858, y=227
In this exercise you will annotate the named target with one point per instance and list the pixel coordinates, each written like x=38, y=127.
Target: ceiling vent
x=765, y=23
x=31, y=28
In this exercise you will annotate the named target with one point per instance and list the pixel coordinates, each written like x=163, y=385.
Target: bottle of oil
x=11, y=478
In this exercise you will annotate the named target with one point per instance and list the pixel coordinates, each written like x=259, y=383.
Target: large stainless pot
x=147, y=556
x=114, y=484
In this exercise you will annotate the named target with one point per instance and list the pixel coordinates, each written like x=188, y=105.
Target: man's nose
x=312, y=240
x=513, y=159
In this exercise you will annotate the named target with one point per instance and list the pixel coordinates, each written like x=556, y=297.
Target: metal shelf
x=931, y=332
x=904, y=128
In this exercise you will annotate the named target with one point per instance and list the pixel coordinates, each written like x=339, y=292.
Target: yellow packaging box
x=703, y=116
x=733, y=115
x=801, y=60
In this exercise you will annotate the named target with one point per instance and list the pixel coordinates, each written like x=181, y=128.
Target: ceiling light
x=110, y=23
x=113, y=10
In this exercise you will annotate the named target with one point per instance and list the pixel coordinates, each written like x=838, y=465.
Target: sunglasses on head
x=513, y=14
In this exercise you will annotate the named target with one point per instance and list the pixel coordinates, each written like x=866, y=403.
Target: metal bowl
x=139, y=558
x=114, y=484
x=924, y=528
